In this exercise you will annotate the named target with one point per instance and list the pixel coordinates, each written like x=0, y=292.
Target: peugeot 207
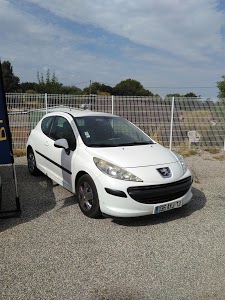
x=112, y=166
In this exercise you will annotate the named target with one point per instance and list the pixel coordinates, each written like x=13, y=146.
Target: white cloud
x=173, y=42
x=30, y=43
x=185, y=28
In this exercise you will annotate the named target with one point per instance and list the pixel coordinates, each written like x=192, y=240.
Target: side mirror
x=62, y=143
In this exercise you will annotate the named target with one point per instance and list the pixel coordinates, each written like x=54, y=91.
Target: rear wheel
x=31, y=162
x=88, y=197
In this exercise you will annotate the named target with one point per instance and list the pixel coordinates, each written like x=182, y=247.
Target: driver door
x=59, y=164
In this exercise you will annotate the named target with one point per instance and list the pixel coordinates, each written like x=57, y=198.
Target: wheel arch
x=88, y=205
x=32, y=166
x=29, y=148
x=78, y=176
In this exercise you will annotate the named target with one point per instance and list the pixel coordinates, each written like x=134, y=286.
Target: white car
x=112, y=166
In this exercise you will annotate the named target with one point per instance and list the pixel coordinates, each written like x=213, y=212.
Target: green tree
x=131, y=87
x=190, y=95
x=50, y=84
x=41, y=83
x=25, y=86
x=221, y=87
x=30, y=92
x=93, y=88
x=105, y=89
x=71, y=90
x=11, y=82
x=173, y=95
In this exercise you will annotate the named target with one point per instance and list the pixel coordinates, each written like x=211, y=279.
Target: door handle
x=46, y=143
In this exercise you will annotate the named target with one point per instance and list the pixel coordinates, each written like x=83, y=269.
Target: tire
x=31, y=163
x=88, y=197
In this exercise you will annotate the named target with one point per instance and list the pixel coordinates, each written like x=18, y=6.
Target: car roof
x=77, y=112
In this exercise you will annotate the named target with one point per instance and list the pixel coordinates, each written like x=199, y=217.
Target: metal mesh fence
x=194, y=122
x=203, y=121
x=151, y=114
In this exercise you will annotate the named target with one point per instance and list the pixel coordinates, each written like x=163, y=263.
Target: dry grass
x=220, y=157
x=19, y=152
x=196, y=116
x=213, y=150
x=187, y=152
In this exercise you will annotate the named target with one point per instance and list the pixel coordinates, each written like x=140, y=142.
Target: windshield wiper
x=120, y=145
x=135, y=144
x=101, y=145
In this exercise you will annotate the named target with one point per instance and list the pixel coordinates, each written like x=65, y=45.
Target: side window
x=61, y=129
x=46, y=124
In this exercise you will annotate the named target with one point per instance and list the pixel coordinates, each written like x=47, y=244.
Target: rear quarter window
x=46, y=125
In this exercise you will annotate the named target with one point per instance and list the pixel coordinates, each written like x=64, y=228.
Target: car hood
x=134, y=156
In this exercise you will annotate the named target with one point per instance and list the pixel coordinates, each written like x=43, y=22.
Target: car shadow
x=197, y=203
x=69, y=201
x=37, y=197
x=35, y=192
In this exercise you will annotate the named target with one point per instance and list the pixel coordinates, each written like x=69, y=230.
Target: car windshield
x=109, y=131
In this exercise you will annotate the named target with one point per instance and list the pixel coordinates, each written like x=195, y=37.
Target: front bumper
x=160, y=193
x=124, y=199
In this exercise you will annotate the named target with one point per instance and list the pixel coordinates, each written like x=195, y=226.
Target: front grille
x=160, y=193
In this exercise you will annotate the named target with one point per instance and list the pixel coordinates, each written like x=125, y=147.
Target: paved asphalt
x=54, y=252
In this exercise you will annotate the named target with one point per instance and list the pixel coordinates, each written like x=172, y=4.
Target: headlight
x=114, y=171
x=182, y=162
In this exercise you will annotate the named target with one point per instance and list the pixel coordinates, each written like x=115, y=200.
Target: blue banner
x=6, y=155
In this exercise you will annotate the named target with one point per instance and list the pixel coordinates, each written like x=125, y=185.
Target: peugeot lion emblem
x=164, y=172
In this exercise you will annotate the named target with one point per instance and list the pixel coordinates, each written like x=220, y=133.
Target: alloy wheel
x=85, y=196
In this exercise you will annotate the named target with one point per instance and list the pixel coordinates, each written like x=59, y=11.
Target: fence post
x=46, y=103
x=171, y=123
x=112, y=104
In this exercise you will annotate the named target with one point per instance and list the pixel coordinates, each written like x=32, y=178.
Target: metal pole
x=171, y=123
x=112, y=104
x=6, y=214
x=46, y=103
x=16, y=189
x=90, y=88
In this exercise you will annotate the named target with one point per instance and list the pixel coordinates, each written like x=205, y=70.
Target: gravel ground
x=54, y=252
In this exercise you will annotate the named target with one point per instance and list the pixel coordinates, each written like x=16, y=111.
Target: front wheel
x=31, y=162
x=88, y=197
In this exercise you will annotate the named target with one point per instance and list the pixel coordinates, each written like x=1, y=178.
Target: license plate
x=164, y=207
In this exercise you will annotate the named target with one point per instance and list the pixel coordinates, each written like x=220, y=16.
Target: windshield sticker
x=87, y=134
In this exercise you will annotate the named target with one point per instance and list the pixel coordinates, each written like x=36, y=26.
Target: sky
x=170, y=46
